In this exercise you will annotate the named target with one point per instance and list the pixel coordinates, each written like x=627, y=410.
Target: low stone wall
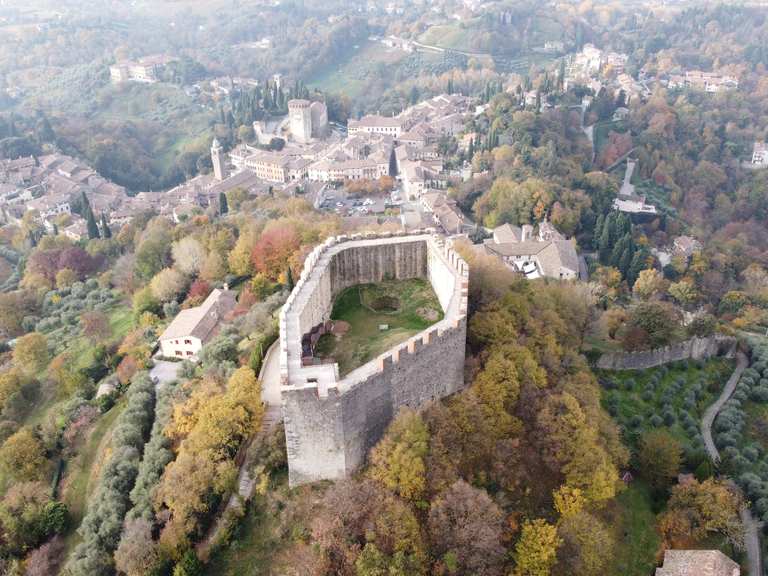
x=695, y=348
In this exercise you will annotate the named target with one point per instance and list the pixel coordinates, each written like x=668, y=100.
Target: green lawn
x=634, y=523
x=674, y=396
x=406, y=307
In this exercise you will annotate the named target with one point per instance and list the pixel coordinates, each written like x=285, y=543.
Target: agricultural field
x=741, y=432
x=371, y=318
x=673, y=396
x=370, y=62
x=451, y=36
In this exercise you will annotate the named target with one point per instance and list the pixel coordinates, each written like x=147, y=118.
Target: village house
x=760, y=154
x=375, y=124
x=193, y=328
x=546, y=254
x=686, y=246
x=445, y=213
x=147, y=69
x=709, y=82
x=697, y=563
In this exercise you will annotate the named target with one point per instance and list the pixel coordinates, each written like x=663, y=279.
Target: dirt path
x=711, y=413
x=245, y=483
x=751, y=526
x=269, y=376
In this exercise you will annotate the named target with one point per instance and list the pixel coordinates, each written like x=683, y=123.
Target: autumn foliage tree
x=274, y=249
x=213, y=424
x=466, y=530
x=398, y=460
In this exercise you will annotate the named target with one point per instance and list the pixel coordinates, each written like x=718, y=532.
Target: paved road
x=712, y=411
x=751, y=526
x=270, y=376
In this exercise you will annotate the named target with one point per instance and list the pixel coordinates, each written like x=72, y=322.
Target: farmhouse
x=193, y=328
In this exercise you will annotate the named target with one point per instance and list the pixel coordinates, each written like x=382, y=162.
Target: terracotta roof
x=202, y=320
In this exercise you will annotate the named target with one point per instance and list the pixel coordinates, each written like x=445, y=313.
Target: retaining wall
x=695, y=348
x=331, y=423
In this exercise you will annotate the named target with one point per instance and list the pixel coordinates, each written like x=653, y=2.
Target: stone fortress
x=332, y=422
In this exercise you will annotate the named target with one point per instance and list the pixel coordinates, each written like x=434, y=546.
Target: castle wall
x=695, y=348
x=426, y=369
x=314, y=434
x=331, y=424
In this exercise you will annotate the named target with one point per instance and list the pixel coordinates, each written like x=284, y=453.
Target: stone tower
x=217, y=158
x=300, y=114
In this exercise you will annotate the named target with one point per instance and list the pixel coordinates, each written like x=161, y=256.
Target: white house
x=546, y=254
x=760, y=154
x=193, y=328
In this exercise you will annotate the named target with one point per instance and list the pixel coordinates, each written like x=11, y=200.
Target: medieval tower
x=301, y=120
x=217, y=159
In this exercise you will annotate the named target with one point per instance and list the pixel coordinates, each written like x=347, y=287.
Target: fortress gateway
x=332, y=422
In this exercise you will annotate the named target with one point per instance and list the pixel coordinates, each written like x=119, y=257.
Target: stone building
x=218, y=160
x=332, y=422
x=193, y=328
x=319, y=116
x=300, y=114
x=697, y=563
x=546, y=254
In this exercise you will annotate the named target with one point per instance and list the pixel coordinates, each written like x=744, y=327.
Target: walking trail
x=751, y=525
x=270, y=395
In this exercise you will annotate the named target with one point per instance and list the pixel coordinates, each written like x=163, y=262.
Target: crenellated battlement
x=315, y=398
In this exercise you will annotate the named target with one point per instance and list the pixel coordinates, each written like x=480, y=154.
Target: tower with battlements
x=300, y=114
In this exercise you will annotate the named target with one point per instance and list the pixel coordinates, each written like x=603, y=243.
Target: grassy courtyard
x=372, y=318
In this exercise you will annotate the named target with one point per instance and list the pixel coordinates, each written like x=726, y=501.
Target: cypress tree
x=639, y=260
x=105, y=231
x=598, y=231
x=289, y=278
x=604, y=244
x=223, y=205
x=90, y=220
x=93, y=227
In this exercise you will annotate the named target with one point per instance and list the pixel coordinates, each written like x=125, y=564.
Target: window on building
x=187, y=341
x=178, y=353
x=189, y=353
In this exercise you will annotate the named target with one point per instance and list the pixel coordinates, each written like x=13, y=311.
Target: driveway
x=164, y=372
